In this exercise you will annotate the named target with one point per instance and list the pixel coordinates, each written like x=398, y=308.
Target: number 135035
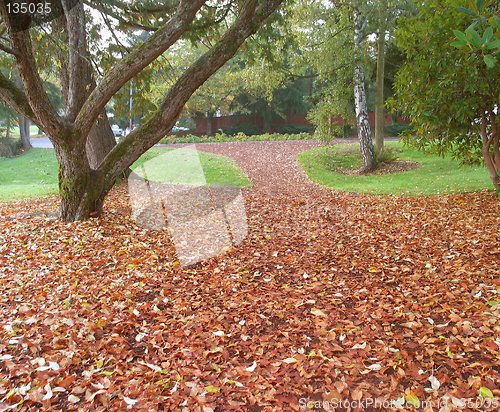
x=36, y=7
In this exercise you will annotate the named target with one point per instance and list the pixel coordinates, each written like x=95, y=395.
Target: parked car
x=177, y=129
x=117, y=131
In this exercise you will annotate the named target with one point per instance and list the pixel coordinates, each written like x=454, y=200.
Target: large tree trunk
x=379, y=99
x=81, y=185
x=24, y=131
x=362, y=123
x=81, y=188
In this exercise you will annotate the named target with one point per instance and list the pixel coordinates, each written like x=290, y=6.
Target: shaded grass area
x=34, y=174
x=436, y=175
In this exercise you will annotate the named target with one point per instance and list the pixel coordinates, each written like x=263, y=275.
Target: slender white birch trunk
x=364, y=129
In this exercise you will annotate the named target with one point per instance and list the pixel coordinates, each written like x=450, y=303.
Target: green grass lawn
x=435, y=175
x=34, y=174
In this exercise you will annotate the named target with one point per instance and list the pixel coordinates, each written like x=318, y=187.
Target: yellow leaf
x=412, y=399
x=100, y=323
x=484, y=392
x=212, y=389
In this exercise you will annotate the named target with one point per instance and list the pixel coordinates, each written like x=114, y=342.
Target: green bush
x=246, y=129
x=221, y=137
x=396, y=129
x=295, y=129
x=190, y=138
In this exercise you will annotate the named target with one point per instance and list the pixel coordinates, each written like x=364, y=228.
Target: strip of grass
x=34, y=174
x=435, y=175
x=187, y=166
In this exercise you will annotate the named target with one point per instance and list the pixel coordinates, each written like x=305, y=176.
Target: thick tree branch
x=136, y=61
x=7, y=49
x=77, y=62
x=252, y=14
x=33, y=84
x=15, y=98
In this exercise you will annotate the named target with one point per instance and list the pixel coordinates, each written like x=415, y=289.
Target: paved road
x=41, y=143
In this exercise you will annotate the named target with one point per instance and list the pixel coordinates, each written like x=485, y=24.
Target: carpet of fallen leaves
x=331, y=296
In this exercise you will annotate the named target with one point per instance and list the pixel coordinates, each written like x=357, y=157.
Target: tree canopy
x=449, y=94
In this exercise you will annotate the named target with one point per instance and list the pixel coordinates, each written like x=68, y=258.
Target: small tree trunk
x=266, y=117
x=209, y=125
x=488, y=155
x=24, y=131
x=362, y=123
x=7, y=128
x=490, y=166
x=379, y=99
x=496, y=145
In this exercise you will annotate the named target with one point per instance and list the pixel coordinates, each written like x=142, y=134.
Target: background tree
x=7, y=118
x=324, y=31
x=360, y=104
x=24, y=132
x=385, y=14
x=379, y=82
x=449, y=94
x=83, y=184
x=333, y=38
x=256, y=81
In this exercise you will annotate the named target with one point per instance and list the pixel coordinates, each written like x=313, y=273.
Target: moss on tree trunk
x=82, y=189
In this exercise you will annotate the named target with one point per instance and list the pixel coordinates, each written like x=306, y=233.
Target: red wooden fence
x=210, y=125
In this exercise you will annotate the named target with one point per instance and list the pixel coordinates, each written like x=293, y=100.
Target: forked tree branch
x=135, y=62
x=251, y=16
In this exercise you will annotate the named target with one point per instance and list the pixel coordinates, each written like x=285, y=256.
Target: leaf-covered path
x=330, y=296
